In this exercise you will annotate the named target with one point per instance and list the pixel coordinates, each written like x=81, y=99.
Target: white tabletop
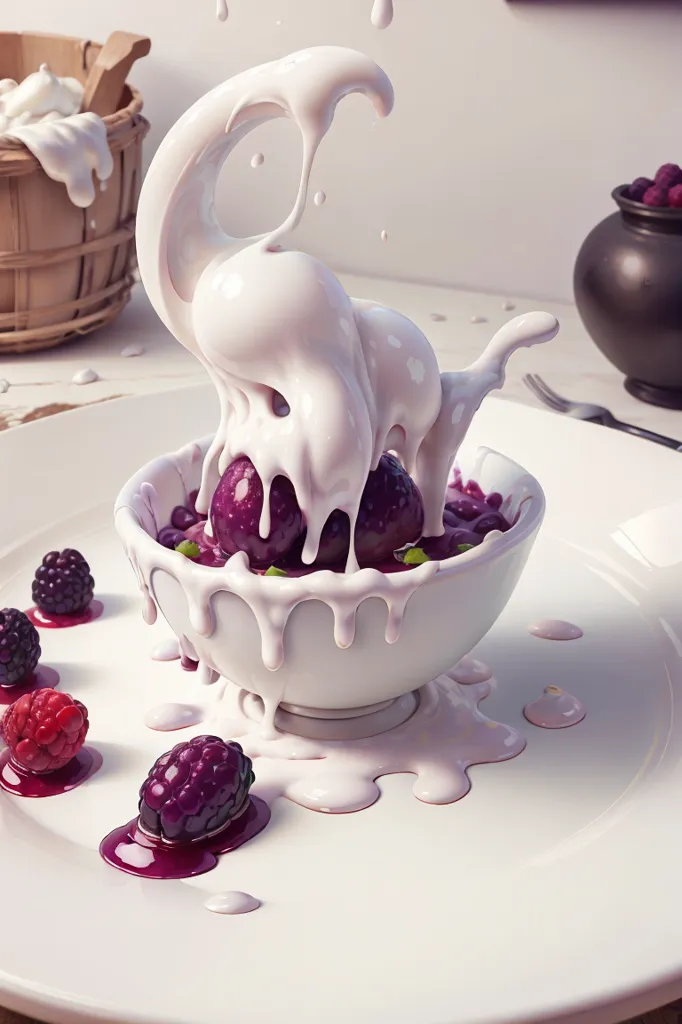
x=41, y=384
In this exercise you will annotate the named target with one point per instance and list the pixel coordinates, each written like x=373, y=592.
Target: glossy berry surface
x=182, y=518
x=170, y=537
x=655, y=196
x=195, y=789
x=638, y=188
x=668, y=175
x=63, y=584
x=44, y=730
x=19, y=646
x=236, y=509
x=675, y=197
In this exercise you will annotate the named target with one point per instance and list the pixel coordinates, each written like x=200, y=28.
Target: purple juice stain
x=43, y=620
x=130, y=849
x=43, y=678
x=16, y=780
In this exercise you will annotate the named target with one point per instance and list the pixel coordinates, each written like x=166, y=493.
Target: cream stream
x=358, y=377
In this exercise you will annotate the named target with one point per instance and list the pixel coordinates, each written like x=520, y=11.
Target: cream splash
x=266, y=320
x=443, y=738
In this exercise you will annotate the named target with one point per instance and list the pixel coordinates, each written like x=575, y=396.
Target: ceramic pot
x=628, y=290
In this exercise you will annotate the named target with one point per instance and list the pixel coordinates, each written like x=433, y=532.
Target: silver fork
x=591, y=413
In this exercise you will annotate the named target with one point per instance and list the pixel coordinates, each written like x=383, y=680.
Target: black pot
x=628, y=290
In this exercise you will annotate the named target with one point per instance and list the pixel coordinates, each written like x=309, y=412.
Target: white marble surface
x=41, y=384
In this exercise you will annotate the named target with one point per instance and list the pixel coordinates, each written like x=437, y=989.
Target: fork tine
x=561, y=402
x=531, y=383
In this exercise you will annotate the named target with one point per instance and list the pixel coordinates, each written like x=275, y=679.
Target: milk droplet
x=555, y=629
x=4, y=386
x=319, y=198
x=469, y=671
x=382, y=13
x=479, y=319
x=437, y=317
x=170, y=717
x=384, y=236
x=130, y=351
x=257, y=159
x=232, y=902
x=555, y=709
x=87, y=376
x=221, y=10
x=508, y=305
x=166, y=650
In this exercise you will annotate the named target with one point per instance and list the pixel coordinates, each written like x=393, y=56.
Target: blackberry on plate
x=63, y=584
x=19, y=647
x=195, y=789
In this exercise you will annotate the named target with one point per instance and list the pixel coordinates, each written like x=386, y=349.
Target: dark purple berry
x=655, y=196
x=638, y=188
x=447, y=545
x=488, y=522
x=182, y=518
x=668, y=175
x=19, y=646
x=465, y=509
x=236, y=510
x=675, y=197
x=195, y=789
x=63, y=584
x=495, y=500
x=170, y=537
x=335, y=540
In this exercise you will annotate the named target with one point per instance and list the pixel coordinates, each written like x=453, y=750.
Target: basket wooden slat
x=64, y=271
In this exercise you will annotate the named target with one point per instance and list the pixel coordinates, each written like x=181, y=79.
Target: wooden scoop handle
x=107, y=76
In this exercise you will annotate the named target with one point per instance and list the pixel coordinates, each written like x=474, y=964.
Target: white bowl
x=450, y=605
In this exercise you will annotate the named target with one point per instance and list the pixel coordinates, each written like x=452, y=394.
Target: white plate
x=551, y=890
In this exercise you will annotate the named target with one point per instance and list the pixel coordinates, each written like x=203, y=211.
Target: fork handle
x=647, y=435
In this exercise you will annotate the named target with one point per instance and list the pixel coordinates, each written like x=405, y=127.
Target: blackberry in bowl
x=328, y=641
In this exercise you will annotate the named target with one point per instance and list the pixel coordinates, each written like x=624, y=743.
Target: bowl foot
x=349, y=724
x=668, y=398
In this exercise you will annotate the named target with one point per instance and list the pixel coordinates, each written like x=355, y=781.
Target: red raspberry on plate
x=44, y=730
x=675, y=197
x=668, y=175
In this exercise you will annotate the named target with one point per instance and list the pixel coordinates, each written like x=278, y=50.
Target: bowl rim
x=133, y=533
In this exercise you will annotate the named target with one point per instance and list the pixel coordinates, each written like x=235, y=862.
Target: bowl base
x=348, y=724
x=667, y=398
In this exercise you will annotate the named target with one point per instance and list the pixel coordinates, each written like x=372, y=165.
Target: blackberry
x=195, y=789
x=63, y=584
x=19, y=647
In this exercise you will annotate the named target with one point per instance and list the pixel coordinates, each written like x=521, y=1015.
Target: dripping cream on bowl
x=357, y=378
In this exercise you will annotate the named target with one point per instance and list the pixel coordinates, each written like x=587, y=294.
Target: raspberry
x=19, y=646
x=195, y=789
x=638, y=188
x=63, y=584
x=675, y=197
x=655, y=196
x=44, y=730
x=668, y=175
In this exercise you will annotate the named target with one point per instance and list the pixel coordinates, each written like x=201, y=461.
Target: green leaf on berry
x=188, y=548
x=415, y=556
x=274, y=571
x=461, y=548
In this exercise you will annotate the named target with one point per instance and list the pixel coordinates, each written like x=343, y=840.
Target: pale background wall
x=512, y=122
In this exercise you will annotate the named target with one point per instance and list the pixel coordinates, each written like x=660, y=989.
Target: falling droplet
x=382, y=13
x=479, y=319
x=257, y=159
x=384, y=236
x=221, y=10
x=437, y=317
x=319, y=198
x=508, y=305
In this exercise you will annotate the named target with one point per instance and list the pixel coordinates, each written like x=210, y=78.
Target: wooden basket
x=64, y=271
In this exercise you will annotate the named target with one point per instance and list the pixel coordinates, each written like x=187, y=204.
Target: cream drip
x=167, y=650
x=555, y=629
x=222, y=12
x=170, y=717
x=42, y=112
x=443, y=738
x=257, y=160
x=232, y=902
x=266, y=320
x=320, y=198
